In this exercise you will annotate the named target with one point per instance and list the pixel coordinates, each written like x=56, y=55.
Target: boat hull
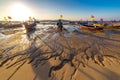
x=91, y=28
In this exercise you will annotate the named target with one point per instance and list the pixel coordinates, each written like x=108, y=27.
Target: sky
x=52, y=9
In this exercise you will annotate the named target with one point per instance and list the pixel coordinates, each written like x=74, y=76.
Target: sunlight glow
x=20, y=12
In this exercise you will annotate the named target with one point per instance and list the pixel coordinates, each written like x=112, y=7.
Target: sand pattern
x=65, y=55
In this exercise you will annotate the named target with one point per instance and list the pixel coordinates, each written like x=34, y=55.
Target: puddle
x=45, y=37
x=68, y=34
x=111, y=32
x=71, y=28
x=80, y=35
x=55, y=36
x=2, y=36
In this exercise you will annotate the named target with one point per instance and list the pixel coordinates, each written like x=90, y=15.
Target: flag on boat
x=61, y=16
x=9, y=17
x=30, y=18
x=5, y=18
x=92, y=18
x=101, y=19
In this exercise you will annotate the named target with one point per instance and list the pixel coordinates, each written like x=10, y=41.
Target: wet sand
x=68, y=55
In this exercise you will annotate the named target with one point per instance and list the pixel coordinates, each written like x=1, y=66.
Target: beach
x=72, y=54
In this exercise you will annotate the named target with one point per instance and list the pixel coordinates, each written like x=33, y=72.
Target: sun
x=19, y=12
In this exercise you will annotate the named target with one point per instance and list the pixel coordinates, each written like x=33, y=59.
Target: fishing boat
x=91, y=28
x=112, y=26
x=11, y=25
x=98, y=24
x=116, y=25
x=30, y=27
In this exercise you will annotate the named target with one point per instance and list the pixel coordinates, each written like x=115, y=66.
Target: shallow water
x=3, y=37
x=111, y=32
x=45, y=37
x=80, y=35
x=55, y=36
x=70, y=28
x=68, y=34
x=44, y=28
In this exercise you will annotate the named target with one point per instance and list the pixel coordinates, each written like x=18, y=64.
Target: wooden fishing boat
x=91, y=28
x=30, y=27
